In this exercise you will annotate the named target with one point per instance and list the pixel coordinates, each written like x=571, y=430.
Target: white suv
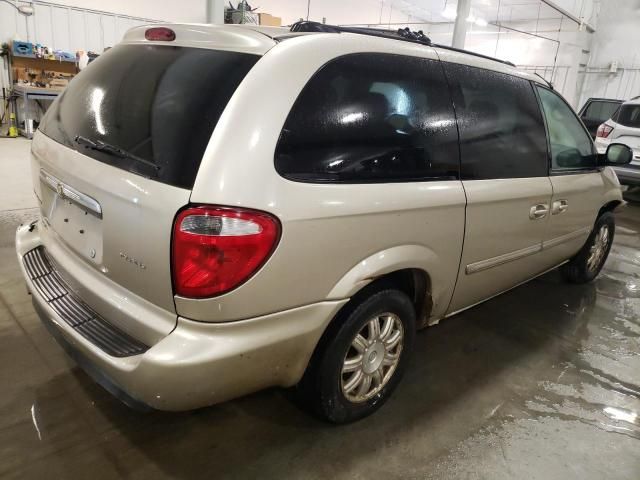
x=623, y=127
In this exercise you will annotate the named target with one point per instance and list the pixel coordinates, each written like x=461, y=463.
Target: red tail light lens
x=604, y=130
x=160, y=34
x=215, y=249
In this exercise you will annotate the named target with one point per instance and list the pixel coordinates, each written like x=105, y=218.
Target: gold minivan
x=229, y=208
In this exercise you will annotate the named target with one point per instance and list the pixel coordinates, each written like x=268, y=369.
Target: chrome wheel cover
x=372, y=357
x=598, y=249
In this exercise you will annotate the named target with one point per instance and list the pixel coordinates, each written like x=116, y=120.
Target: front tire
x=362, y=358
x=588, y=262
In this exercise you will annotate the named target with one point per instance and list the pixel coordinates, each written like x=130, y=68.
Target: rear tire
x=587, y=263
x=361, y=359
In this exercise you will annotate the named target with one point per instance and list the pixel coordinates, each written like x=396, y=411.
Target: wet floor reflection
x=542, y=382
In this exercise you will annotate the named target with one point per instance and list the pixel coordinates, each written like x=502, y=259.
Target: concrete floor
x=540, y=383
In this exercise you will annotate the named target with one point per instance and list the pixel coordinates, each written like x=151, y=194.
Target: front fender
x=612, y=190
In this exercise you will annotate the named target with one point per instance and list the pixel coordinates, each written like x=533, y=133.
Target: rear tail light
x=160, y=34
x=215, y=249
x=604, y=130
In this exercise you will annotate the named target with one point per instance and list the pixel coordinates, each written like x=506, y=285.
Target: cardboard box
x=270, y=20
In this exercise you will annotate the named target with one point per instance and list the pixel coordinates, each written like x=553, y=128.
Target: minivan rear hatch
x=119, y=151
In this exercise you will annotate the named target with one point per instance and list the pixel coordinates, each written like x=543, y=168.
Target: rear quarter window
x=365, y=118
x=159, y=103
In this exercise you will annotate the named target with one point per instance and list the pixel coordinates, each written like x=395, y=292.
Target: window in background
x=629, y=116
x=601, y=110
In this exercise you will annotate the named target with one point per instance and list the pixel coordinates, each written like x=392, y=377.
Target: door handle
x=538, y=211
x=559, y=206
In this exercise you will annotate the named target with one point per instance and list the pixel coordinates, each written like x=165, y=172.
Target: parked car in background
x=623, y=127
x=190, y=251
x=597, y=110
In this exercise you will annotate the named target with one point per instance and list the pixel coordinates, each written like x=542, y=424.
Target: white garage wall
x=65, y=28
x=617, y=38
x=190, y=11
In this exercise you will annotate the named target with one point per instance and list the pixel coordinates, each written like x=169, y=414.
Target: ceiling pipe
x=569, y=15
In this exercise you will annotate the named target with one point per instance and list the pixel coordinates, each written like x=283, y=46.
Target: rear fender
x=391, y=260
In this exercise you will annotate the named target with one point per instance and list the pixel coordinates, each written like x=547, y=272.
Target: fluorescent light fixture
x=26, y=10
x=450, y=12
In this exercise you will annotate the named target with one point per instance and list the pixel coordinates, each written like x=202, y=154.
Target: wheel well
x=609, y=207
x=415, y=282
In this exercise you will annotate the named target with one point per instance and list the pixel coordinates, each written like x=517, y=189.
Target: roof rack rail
x=469, y=52
x=545, y=80
x=400, y=34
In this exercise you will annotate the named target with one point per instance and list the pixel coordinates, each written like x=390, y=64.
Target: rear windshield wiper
x=113, y=150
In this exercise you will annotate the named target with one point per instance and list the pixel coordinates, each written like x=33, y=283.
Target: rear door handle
x=559, y=206
x=538, y=211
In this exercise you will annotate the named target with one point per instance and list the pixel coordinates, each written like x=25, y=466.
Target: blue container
x=23, y=49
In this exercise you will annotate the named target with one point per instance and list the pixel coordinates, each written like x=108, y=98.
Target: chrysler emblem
x=60, y=190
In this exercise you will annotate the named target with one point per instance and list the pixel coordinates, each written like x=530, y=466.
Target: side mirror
x=618, y=154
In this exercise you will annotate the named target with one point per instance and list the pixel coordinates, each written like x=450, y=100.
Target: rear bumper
x=198, y=363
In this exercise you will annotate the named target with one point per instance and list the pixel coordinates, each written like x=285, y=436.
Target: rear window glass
x=629, y=116
x=600, y=110
x=152, y=107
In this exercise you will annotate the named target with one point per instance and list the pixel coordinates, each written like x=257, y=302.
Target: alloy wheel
x=599, y=248
x=372, y=357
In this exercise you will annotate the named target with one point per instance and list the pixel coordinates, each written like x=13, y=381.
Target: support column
x=460, y=27
x=215, y=11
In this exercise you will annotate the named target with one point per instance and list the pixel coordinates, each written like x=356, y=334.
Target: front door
x=577, y=183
